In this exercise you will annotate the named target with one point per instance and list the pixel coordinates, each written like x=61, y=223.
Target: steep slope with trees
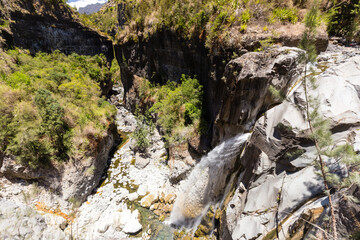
x=56, y=127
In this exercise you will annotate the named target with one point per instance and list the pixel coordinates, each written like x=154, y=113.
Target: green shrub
x=143, y=131
x=178, y=106
x=284, y=15
x=17, y=80
x=246, y=16
x=344, y=19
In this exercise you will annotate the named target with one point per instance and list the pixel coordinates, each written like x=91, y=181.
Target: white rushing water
x=206, y=183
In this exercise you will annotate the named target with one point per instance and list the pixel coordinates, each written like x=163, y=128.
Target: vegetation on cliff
x=212, y=21
x=51, y=106
x=176, y=107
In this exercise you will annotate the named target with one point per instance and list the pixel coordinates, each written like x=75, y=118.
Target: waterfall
x=206, y=183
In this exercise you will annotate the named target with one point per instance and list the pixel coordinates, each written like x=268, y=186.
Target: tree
x=345, y=19
x=52, y=124
x=143, y=131
x=307, y=43
x=319, y=127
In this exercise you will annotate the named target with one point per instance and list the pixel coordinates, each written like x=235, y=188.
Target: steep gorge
x=261, y=187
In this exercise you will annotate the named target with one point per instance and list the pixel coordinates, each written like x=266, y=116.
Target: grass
x=207, y=20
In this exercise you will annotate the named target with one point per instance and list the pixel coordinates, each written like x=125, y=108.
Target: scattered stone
x=148, y=200
x=140, y=161
x=133, y=226
x=170, y=198
x=133, y=196
x=103, y=227
x=142, y=190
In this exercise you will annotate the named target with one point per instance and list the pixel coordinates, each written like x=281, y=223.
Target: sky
x=82, y=3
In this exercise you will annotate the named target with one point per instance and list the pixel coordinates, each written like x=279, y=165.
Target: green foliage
x=144, y=129
x=103, y=21
x=52, y=125
x=178, y=108
x=246, y=16
x=50, y=105
x=284, y=15
x=266, y=43
x=17, y=79
x=312, y=21
x=278, y=95
x=344, y=20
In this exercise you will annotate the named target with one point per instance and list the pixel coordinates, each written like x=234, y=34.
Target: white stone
x=142, y=190
x=133, y=196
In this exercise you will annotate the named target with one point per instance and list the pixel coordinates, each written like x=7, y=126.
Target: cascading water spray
x=206, y=183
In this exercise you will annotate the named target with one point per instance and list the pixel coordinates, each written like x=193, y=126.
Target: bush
x=344, y=20
x=245, y=16
x=178, y=106
x=143, y=131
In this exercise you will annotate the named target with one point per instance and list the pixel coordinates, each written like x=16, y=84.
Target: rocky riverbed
x=135, y=182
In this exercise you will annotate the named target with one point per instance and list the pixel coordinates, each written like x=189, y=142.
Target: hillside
x=54, y=76
x=91, y=8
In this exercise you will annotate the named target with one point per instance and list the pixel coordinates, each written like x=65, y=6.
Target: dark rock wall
x=236, y=91
x=46, y=26
x=246, y=82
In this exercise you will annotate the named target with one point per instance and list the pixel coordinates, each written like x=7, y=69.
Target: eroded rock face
x=246, y=82
x=278, y=183
x=75, y=178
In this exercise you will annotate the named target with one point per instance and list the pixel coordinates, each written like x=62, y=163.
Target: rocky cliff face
x=162, y=57
x=278, y=184
x=47, y=26
x=246, y=85
x=275, y=181
x=165, y=56
x=74, y=179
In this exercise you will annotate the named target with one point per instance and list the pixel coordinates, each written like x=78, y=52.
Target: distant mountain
x=91, y=8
